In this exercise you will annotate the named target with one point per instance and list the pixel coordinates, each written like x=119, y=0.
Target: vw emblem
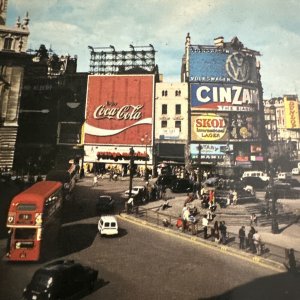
x=238, y=67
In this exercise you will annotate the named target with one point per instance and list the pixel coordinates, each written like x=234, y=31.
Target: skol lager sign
x=208, y=127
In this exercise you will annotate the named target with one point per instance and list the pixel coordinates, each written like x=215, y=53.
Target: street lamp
x=199, y=163
x=131, y=155
x=145, y=139
x=273, y=196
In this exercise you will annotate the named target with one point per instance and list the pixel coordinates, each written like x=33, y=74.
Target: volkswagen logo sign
x=238, y=67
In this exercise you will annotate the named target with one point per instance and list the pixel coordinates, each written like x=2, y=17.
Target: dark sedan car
x=255, y=182
x=105, y=204
x=182, y=186
x=62, y=279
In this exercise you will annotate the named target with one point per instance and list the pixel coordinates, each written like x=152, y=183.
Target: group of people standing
x=252, y=241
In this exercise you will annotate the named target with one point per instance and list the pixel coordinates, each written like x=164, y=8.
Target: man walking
x=242, y=235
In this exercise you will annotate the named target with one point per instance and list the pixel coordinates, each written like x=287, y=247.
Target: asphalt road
x=145, y=264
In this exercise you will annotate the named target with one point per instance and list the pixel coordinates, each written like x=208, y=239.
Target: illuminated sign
x=209, y=150
x=208, y=127
x=291, y=112
x=212, y=64
x=223, y=97
x=118, y=109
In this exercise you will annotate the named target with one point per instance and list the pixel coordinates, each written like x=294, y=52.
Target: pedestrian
x=223, y=230
x=292, y=266
x=242, y=235
x=253, y=219
x=205, y=224
x=215, y=232
x=188, y=199
x=234, y=197
x=95, y=180
x=250, y=241
x=257, y=242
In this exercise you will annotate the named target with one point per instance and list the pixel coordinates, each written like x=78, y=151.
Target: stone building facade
x=13, y=57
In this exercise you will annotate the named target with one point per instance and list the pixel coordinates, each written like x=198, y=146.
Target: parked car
x=166, y=180
x=295, y=171
x=182, y=186
x=259, y=174
x=136, y=190
x=255, y=182
x=108, y=225
x=61, y=279
x=138, y=193
x=283, y=175
x=105, y=204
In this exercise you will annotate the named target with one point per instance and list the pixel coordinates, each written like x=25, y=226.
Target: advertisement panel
x=210, y=151
x=236, y=127
x=223, y=97
x=212, y=64
x=118, y=109
x=291, y=112
x=209, y=127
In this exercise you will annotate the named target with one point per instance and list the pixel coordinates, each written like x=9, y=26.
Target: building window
x=8, y=43
x=164, y=93
x=164, y=124
x=164, y=109
x=178, y=93
x=178, y=125
x=178, y=109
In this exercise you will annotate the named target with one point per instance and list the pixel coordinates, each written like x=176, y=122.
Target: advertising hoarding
x=233, y=126
x=210, y=151
x=118, y=109
x=223, y=97
x=291, y=112
x=212, y=64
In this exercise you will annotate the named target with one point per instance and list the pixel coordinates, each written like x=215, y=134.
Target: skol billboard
x=209, y=64
x=118, y=109
x=223, y=97
x=291, y=112
x=212, y=127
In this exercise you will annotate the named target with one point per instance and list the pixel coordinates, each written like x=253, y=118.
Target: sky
x=271, y=27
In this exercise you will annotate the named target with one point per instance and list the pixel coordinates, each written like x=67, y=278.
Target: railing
x=155, y=216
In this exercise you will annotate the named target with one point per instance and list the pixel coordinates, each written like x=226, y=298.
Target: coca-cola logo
x=125, y=112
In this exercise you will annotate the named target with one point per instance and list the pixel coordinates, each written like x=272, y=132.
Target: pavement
x=237, y=215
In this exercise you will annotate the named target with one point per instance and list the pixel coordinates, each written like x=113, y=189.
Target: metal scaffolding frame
x=106, y=60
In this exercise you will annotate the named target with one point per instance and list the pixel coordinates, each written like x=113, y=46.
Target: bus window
x=25, y=233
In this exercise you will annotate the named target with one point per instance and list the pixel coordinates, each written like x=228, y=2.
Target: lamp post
x=131, y=155
x=275, y=228
x=145, y=139
x=199, y=164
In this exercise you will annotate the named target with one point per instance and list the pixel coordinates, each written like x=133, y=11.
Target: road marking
x=223, y=249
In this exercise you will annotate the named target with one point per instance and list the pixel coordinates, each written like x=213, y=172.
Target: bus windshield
x=25, y=233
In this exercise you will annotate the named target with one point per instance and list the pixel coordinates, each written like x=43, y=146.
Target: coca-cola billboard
x=118, y=109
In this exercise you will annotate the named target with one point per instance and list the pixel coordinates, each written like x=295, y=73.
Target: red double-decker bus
x=34, y=219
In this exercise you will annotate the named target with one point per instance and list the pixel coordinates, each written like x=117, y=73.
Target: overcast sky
x=271, y=27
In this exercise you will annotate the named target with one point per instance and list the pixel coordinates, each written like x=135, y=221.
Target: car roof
x=58, y=266
x=105, y=197
x=108, y=218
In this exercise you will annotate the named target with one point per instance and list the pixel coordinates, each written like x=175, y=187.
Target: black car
x=61, y=280
x=166, y=180
x=105, y=204
x=182, y=186
x=255, y=182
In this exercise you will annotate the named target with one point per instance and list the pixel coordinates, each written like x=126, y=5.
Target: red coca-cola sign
x=119, y=109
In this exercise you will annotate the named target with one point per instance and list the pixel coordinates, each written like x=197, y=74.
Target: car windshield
x=41, y=281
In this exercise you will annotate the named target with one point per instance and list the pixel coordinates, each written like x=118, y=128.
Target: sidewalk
x=236, y=216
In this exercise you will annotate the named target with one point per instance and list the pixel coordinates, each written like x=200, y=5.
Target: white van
x=263, y=176
x=108, y=225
